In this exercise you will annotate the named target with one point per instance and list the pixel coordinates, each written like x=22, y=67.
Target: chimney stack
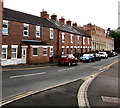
x=68, y=22
x=54, y=17
x=62, y=20
x=44, y=14
x=75, y=24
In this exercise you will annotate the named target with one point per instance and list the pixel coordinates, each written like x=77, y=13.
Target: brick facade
x=30, y=49
x=99, y=40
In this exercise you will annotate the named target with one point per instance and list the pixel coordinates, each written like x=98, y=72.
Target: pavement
x=100, y=90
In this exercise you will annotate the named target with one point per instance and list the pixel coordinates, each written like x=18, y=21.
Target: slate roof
x=17, y=16
x=82, y=32
x=65, y=27
x=69, y=29
x=12, y=15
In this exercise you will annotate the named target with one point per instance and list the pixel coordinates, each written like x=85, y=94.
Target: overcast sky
x=103, y=13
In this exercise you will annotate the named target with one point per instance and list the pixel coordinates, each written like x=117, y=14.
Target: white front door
x=24, y=54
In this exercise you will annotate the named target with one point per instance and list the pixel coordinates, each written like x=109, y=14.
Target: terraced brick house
x=31, y=39
x=100, y=41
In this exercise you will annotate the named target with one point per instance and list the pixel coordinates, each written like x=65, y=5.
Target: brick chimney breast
x=75, y=24
x=68, y=22
x=54, y=17
x=62, y=20
x=44, y=14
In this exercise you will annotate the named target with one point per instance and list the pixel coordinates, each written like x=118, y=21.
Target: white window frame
x=71, y=38
x=83, y=40
x=51, y=51
x=63, y=50
x=78, y=39
x=88, y=41
x=63, y=37
x=6, y=47
x=45, y=49
x=5, y=22
x=26, y=25
x=51, y=33
x=33, y=51
x=16, y=47
x=37, y=31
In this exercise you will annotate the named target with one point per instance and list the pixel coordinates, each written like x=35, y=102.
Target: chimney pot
x=68, y=22
x=62, y=20
x=75, y=24
x=54, y=17
x=44, y=14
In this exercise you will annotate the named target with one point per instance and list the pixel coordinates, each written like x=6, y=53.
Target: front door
x=24, y=54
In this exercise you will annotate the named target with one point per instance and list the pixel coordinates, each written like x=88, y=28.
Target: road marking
x=106, y=67
x=65, y=69
x=25, y=68
x=110, y=99
x=18, y=76
x=61, y=70
x=3, y=102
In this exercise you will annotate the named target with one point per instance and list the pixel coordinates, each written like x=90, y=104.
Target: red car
x=67, y=59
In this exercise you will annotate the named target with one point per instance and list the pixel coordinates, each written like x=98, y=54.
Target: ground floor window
x=44, y=51
x=35, y=51
x=14, y=52
x=51, y=52
x=4, y=53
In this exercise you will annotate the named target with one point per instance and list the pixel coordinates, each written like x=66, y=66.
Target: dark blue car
x=87, y=58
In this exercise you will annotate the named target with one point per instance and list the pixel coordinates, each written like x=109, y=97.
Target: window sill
x=35, y=55
x=5, y=34
x=45, y=55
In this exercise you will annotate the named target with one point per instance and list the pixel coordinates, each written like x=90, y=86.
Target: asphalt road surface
x=21, y=82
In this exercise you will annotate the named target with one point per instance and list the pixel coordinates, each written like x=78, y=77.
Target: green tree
x=116, y=36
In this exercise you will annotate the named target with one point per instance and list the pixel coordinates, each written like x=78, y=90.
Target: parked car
x=114, y=53
x=103, y=54
x=87, y=58
x=97, y=56
x=67, y=59
x=110, y=53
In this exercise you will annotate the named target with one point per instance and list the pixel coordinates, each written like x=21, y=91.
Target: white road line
x=28, y=75
x=65, y=69
x=110, y=99
x=61, y=70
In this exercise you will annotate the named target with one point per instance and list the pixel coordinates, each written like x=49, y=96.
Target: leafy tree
x=116, y=36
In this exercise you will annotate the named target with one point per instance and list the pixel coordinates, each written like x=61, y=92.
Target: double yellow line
x=108, y=65
x=15, y=97
x=25, y=68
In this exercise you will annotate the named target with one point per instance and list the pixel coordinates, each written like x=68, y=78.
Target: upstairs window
x=71, y=38
x=78, y=39
x=26, y=30
x=5, y=27
x=51, y=33
x=83, y=40
x=37, y=31
x=63, y=37
x=88, y=41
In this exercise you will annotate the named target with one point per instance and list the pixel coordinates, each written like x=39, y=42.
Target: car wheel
x=69, y=64
x=76, y=63
x=59, y=64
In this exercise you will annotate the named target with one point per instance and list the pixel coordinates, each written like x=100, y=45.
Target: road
x=21, y=82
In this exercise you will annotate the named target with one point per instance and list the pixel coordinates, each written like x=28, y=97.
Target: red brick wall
x=37, y=59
